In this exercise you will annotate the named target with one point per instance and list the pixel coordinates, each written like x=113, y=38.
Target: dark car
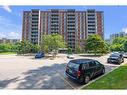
x=40, y=55
x=82, y=70
x=116, y=58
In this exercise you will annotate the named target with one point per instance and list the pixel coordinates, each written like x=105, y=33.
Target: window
x=97, y=63
x=91, y=28
x=71, y=18
x=91, y=18
x=91, y=15
x=91, y=21
x=73, y=65
x=34, y=11
x=121, y=55
x=85, y=66
x=54, y=15
x=91, y=25
x=114, y=55
x=34, y=18
x=35, y=15
x=92, y=64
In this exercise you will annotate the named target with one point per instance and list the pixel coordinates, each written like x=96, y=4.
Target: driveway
x=24, y=72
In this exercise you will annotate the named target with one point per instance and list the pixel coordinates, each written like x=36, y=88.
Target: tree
x=22, y=47
x=6, y=47
x=46, y=43
x=95, y=44
x=25, y=47
x=106, y=48
x=117, y=47
x=2, y=47
x=35, y=48
x=118, y=44
x=119, y=40
x=69, y=50
x=78, y=49
x=125, y=46
x=52, y=43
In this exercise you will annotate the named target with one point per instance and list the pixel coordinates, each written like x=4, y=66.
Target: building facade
x=11, y=41
x=73, y=25
x=120, y=34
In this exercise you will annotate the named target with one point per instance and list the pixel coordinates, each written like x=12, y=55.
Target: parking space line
x=61, y=76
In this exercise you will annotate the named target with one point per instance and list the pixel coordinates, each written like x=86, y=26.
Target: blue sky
x=115, y=18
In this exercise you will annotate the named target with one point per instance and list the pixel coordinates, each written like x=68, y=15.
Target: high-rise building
x=73, y=25
x=120, y=34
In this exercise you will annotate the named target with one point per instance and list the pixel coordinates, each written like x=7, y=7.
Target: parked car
x=70, y=56
x=82, y=70
x=125, y=54
x=115, y=58
x=39, y=55
x=122, y=52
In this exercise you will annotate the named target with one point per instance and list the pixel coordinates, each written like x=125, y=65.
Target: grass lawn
x=116, y=79
x=1, y=53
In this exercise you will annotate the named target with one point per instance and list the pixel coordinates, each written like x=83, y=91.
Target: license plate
x=112, y=60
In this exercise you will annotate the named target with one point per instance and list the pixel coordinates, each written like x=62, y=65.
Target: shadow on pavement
x=5, y=83
x=48, y=77
x=45, y=77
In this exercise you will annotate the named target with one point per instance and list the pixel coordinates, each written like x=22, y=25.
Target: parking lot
x=25, y=72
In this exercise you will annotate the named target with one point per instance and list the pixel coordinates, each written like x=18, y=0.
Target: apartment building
x=72, y=24
x=12, y=41
x=120, y=34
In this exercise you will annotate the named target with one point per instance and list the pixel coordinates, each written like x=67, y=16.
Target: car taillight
x=78, y=73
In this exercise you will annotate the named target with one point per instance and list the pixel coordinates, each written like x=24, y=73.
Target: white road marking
x=61, y=76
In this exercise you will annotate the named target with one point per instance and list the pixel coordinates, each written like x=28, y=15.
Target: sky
x=115, y=18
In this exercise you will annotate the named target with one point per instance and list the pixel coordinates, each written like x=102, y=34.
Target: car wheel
x=123, y=61
x=119, y=62
x=108, y=62
x=87, y=79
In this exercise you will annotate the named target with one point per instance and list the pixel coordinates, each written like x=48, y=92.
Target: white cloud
x=10, y=35
x=2, y=35
x=14, y=35
x=124, y=30
x=7, y=8
x=9, y=29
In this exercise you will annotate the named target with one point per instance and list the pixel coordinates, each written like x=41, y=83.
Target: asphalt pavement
x=21, y=72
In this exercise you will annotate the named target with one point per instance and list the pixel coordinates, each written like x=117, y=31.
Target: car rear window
x=73, y=65
x=114, y=55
